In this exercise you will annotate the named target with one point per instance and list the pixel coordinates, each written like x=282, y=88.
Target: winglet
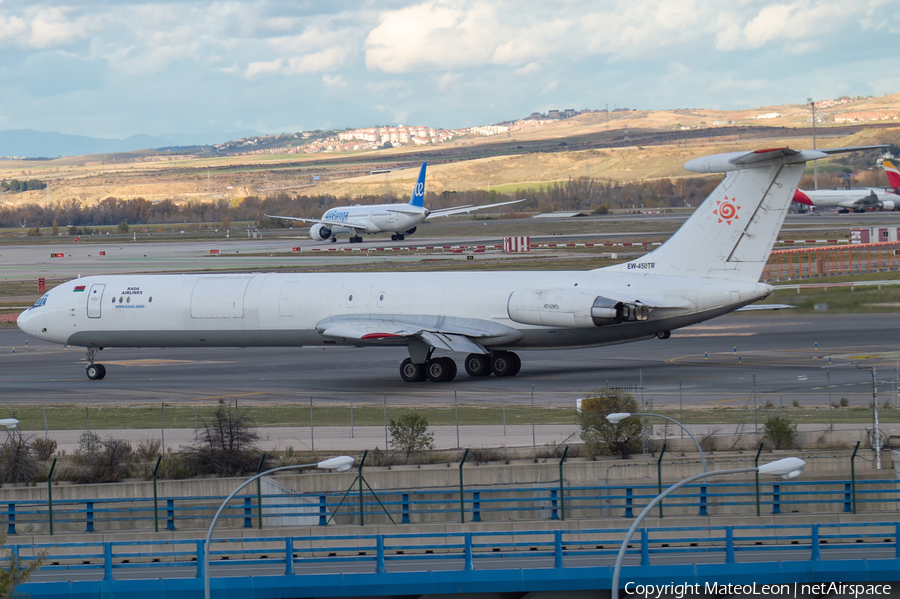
x=893, y=174
x=418, y=196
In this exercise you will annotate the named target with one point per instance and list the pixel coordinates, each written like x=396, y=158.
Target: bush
x=17, y=465
x=43, y=448
x=845, y=402
x=409, y=433
x=599, y=434
x=148, y=449
x=780, y=431
x=110, y=462
x=227, y=445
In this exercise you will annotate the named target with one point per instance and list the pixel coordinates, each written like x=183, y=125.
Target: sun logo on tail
x=726, y=210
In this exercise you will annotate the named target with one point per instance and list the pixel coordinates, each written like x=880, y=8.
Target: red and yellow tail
x=893, y=174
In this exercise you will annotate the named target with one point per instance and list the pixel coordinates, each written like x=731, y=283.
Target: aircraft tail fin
x=893, y=174
x=418, y=196
x=731, y=233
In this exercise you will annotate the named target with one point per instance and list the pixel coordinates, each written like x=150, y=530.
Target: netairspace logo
x=679, y=591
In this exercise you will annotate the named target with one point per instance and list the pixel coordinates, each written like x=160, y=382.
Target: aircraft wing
x=453, y=334
x=464, y=209
x=328, y=223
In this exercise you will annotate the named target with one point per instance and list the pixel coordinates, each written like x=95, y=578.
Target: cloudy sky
x=114, y=68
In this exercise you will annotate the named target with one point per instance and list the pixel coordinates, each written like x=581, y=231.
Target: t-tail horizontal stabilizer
x=732, y=232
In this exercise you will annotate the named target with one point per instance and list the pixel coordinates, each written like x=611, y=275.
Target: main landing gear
x=95, y=372
x=443, y=369
x=398, y=237
x=356, y=239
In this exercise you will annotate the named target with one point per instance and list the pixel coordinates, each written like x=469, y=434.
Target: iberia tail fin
x=893, y=174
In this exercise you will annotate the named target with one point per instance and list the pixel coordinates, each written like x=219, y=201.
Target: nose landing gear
x=95, y=372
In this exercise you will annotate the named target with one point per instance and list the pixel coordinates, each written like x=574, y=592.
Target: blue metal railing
x=442, y=505
x=805, y=541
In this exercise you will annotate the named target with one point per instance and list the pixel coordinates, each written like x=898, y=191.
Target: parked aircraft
x=857, y=200
x=709, y=267
x=399, y=219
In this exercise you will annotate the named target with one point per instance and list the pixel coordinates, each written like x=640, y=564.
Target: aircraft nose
x=26, y=322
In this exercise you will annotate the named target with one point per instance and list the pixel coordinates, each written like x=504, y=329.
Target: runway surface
x=123, y=255
x=715, y=363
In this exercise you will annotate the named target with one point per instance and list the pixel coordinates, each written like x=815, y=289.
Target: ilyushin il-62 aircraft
x=399, y=219
x=709, y=267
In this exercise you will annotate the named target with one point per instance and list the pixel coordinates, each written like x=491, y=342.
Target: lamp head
x=786, y=468
x=338, y=464
x=10, y=423
x=617, y=417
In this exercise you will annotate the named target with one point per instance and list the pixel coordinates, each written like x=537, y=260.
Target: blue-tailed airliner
x=398, y=219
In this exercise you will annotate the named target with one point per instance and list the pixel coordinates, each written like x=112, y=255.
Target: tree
x=227, y=445
x=602, y=436
x=55, y=228
x=409, y=433
x=16, y=570
x=17, y=464
x=123, y=227
x=780, y=431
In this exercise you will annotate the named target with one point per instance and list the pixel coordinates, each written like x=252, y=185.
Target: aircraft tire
x=393, y=237
x=478, y=365
x=95, y=372
x=412, y=373
x=505, y=363
x=400, y=237
x=441, y=370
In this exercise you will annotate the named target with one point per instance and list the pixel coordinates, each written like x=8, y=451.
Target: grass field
x=150, y=417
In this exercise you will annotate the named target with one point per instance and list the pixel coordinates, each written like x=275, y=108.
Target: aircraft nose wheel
x=95, y=372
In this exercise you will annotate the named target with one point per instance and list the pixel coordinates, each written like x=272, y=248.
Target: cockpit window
x=41, y=301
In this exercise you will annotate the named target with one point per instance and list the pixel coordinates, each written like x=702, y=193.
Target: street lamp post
x=876, y=434
x=619, y=416
x=339, y=464
x=785, y=468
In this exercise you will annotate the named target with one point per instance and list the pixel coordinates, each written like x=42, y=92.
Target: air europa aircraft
x=399, y=219
x=709, y=267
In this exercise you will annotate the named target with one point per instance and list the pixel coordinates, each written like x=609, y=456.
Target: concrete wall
x=541, y=476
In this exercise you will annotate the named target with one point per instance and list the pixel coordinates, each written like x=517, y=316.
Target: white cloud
x=52, y=27
x=334, y=81
x=264, y=67
x=531, y=67
x=550, y=87
x=11, y=27
x=329, y=59
x=447, y=81
x=433, y=34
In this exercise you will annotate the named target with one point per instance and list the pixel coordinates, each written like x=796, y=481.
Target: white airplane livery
x=857, y=200
x=399, y=219
x=709, y=267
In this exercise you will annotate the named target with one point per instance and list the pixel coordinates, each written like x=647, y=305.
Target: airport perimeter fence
x=457, y=492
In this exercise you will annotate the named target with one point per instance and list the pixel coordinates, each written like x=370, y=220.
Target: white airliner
x=399, y=219
x=857, y=200
x=709, y=267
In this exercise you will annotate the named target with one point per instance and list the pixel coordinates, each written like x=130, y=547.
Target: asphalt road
x=779, y=357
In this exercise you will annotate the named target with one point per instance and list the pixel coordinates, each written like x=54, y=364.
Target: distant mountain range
x=43, y=144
